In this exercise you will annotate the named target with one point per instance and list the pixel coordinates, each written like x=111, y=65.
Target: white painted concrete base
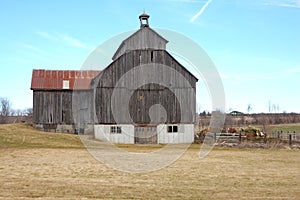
x=103, y=132
x=184, y=134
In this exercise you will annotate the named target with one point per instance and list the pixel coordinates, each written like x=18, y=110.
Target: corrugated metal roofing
x=53, y=79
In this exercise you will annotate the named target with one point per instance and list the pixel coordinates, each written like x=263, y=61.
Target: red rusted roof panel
x=53, y=79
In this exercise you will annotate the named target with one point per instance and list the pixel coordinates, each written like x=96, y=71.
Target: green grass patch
x=284, y=128
x=24, y=135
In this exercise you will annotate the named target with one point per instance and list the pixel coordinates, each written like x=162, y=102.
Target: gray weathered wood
x=144, y=38
x=151, y=93
x=62, y=106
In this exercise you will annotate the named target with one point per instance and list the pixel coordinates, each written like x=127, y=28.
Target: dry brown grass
x=72, y=173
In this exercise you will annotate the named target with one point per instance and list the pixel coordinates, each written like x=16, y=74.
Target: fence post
x=265, y=138
x=215, y=137
x=294, y=135
x=290, y=140
x=240, y=137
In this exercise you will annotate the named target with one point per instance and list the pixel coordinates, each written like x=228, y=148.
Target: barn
x=53, y=94
x=139, y=96
x=144, y=96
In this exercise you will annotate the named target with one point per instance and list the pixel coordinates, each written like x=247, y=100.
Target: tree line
x=240, y=119
x=6, y=109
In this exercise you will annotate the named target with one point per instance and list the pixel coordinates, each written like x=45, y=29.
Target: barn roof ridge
x=132, y=35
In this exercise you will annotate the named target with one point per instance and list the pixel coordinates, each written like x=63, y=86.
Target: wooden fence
x=288, y=138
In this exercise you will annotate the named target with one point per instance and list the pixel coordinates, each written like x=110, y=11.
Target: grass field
x=285, y=128
x=47, y=166
x=25, y=136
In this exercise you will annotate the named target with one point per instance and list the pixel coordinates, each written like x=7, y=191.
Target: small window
x=152, y=56
x=119, y=130
x=112, y=129
x=172, y=129
x=175, y=129
x=115, y=129
x=66, y=84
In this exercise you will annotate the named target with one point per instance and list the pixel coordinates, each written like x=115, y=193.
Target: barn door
x=145, y=135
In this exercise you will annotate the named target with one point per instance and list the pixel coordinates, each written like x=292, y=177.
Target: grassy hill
x=24, y=135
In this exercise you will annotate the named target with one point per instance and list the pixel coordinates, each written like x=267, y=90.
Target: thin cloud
x=46, y=35
x=36, y=53
x=200, y=11
x=35, y=49
x=74, y=42
x=71, y=41
x=283, y=3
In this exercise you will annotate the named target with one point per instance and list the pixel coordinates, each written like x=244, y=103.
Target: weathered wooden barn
x=53, y=95
x=143, y=96
x=144, y=62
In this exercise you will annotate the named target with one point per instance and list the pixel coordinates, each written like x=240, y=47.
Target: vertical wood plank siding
x=55, y=106
x=151, y=94
x=144, y=38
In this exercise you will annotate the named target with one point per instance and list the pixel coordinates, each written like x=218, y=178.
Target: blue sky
x=255, y=45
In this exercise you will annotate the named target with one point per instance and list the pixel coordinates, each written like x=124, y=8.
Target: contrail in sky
x=200, y=11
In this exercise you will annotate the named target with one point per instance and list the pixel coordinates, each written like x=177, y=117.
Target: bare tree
x=4, y=107
x=249, y=108
x=28, y=111
x=19, y=112
x=12, y=112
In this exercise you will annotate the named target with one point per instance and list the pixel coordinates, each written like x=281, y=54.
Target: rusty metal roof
x=62, y=79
